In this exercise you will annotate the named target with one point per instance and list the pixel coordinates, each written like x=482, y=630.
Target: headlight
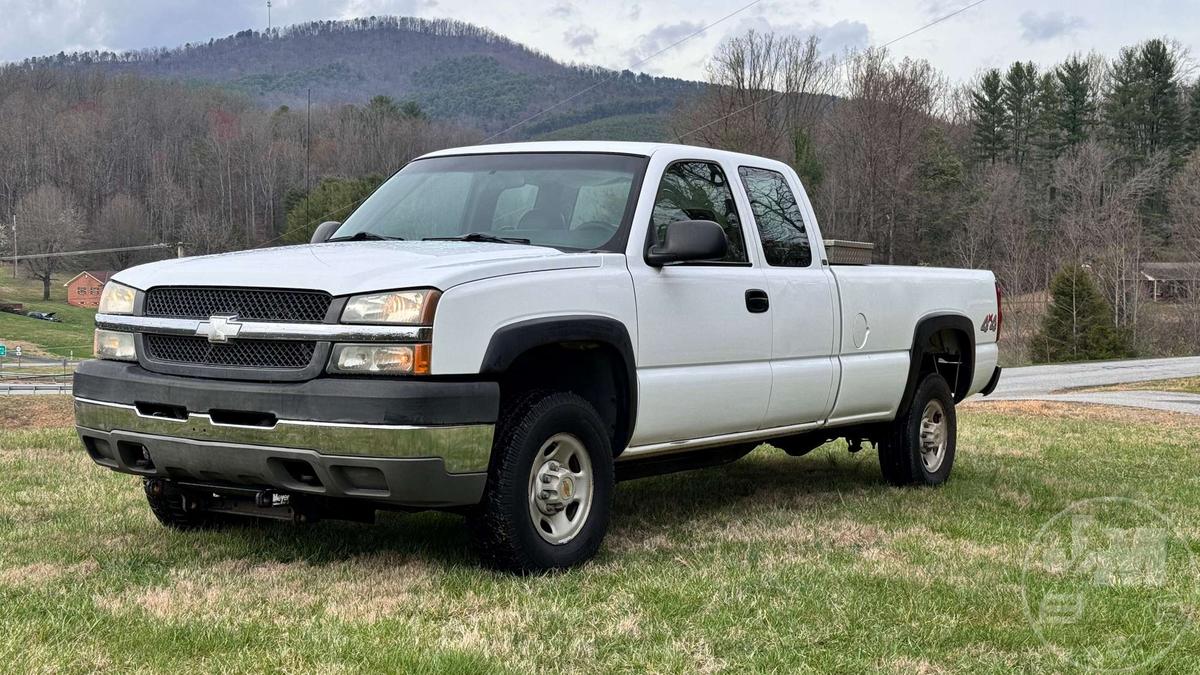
x=398, y=307
x=116, y=299
x=380, y=359
x=114, y=345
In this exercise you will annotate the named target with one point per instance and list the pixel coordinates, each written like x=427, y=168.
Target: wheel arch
x=533, y=347
x=932, y=338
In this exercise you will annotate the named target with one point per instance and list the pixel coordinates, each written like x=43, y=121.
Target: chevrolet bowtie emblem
x=218, y=329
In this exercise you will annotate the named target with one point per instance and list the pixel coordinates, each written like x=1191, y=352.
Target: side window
x=512, y=204
x=698, y=191
x=780, y=223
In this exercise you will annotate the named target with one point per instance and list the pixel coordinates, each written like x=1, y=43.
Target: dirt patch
x=1089, y=412
x=36, y=412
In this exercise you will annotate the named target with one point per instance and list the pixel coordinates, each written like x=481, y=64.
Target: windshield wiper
x=480, y=236
x=367, y=236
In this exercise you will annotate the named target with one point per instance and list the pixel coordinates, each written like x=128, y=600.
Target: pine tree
x=991, y=119
x=1192, y=131
x=1077, y=105
x=1164, y=100
x=1047, y=136
x=1020, y=92
x=1123, y=104
x=1078, y=326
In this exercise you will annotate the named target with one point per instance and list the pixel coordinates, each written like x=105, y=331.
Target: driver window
x=693, y=190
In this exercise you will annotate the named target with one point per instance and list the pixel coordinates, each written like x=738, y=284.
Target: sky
x=621, y=33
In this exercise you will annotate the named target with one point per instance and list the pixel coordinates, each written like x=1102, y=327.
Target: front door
x=703, y=349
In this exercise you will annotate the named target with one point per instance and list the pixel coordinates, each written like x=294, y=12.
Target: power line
x=94, y=251
x=885, y=45
x=615, y=75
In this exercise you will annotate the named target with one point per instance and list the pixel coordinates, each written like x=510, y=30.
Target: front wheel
x=919, y=448
x=550, y=486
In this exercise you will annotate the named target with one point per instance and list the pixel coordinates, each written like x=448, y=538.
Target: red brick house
x=84, y=289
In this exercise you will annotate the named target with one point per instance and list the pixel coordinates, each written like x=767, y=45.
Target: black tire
x=503, y=531
x=172, y=508
x=900, y=456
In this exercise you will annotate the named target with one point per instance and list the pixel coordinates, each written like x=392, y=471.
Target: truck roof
x=620, y=147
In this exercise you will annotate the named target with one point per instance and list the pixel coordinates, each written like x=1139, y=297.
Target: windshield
x=572, y=201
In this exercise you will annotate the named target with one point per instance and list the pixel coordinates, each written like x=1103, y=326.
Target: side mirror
x=688, y=240
x=324, y=231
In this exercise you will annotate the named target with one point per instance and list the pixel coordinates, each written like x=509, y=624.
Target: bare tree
x=764, y=88
x=48, y=223
x=123, y=222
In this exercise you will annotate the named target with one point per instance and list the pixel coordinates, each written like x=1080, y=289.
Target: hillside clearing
x=770, y=564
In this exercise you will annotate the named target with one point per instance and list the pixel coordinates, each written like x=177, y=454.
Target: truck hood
x=343, y=268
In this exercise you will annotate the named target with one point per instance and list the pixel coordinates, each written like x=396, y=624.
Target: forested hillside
x=453, y=70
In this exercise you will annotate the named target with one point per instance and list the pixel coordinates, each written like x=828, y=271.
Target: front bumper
x=403, y=442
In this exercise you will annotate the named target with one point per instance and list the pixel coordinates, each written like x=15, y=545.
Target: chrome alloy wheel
x=560, y=488
x=935, y=431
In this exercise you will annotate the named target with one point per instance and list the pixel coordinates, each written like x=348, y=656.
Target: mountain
x=454, y=70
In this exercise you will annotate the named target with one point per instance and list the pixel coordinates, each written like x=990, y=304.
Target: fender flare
x=511, y=341
x=925, y=330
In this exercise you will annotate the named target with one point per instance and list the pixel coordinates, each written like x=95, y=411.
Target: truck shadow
x=645, y=510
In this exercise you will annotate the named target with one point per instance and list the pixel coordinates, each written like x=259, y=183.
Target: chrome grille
x=249, y=304
x=289, y=354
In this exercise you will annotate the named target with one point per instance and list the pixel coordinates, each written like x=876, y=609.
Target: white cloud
x=1041, y=27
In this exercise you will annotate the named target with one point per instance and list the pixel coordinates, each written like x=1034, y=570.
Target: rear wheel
x=919, y=448
x=550, y=486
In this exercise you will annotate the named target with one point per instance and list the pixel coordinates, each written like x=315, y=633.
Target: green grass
x=71, y=336
x=1186, y=385
x=769, y=564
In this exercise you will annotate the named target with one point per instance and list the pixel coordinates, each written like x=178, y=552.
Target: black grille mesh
x=249, y=304
x=238, y=353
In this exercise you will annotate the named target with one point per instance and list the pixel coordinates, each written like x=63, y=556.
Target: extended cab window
x=698, y=191
x=780, y=223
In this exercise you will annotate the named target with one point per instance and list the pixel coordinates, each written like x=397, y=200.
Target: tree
x=1020, y=100
x=763, y=88
x=1077, y=104
x=332, y=199
x=1077, y=326
x=122, y=223
x=1192, y=132
x=47, y=223
x=1163, y=99
x=990, y=118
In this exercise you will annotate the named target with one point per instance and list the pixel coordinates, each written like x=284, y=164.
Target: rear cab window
x=777, y=215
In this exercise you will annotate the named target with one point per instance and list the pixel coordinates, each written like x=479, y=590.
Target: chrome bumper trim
x=270, y=330
x=463, y=449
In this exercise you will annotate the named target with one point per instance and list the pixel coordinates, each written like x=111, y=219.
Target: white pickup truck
x=505, y=331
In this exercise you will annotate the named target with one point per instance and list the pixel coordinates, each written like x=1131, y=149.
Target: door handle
x=757, y=301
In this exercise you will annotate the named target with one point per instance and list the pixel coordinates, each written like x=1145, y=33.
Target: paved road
x=1049, y=383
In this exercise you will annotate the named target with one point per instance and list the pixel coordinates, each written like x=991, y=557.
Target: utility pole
x=14, y=228
x=307, y=160
x=268, y=16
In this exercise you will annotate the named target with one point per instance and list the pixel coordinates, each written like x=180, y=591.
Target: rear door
x=703, y=355
x=803, y=294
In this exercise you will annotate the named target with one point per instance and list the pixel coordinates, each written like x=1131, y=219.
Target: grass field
x=769, y=564
x=1187, y=385
x=70, y=337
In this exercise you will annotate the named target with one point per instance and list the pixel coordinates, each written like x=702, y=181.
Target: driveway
x=1056, y=382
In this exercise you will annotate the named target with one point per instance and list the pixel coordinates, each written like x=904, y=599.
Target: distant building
x=1171, y=281
x=84, y=289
